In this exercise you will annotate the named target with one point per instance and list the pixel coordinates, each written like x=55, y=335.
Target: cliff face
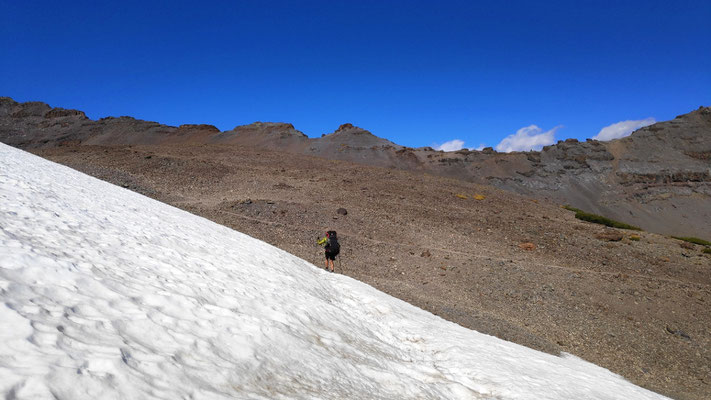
x=659, y=178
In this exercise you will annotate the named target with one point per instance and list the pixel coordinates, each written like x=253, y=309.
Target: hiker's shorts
x=331, y=254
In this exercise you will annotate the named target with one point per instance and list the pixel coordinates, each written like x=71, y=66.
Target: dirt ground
x=520, y=269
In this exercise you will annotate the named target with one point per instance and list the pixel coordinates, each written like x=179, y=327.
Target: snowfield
x=107, y=294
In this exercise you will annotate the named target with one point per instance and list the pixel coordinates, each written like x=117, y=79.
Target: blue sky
x=419, y=73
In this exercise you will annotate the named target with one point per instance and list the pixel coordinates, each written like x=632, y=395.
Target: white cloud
x=527, y=138
x=452, y=145
x=622, y=128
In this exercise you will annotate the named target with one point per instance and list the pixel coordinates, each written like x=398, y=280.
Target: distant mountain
x=659, y=178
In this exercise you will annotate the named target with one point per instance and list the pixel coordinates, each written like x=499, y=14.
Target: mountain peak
x=199, y=127
x=281, y=129
x=351, y=129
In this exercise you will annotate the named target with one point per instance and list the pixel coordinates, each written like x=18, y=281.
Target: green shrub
x=569, y=208
x=707, y=250
x=693, y=240
x=599, y=219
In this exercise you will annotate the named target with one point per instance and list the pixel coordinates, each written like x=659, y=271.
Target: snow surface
x=107, y=294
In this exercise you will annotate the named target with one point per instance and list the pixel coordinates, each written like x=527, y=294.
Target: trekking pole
x=340, y=263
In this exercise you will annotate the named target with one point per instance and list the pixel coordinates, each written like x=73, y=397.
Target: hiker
x=332, y=247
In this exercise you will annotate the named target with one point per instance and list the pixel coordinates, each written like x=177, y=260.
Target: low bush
x=693, y=240
x=569, y=208
x=599, y=219
x=707, y=250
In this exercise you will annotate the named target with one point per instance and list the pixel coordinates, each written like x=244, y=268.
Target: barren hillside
x=518, y=268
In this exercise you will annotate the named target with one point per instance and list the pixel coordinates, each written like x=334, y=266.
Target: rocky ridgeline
x=36, y=124
x=658, y=178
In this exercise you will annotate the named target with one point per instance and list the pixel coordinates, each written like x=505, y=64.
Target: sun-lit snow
x=106, y=294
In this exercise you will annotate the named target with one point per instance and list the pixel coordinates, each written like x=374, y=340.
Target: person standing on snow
x=332, y=248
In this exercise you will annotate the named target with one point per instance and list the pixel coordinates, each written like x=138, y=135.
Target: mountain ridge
x=658, y=178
